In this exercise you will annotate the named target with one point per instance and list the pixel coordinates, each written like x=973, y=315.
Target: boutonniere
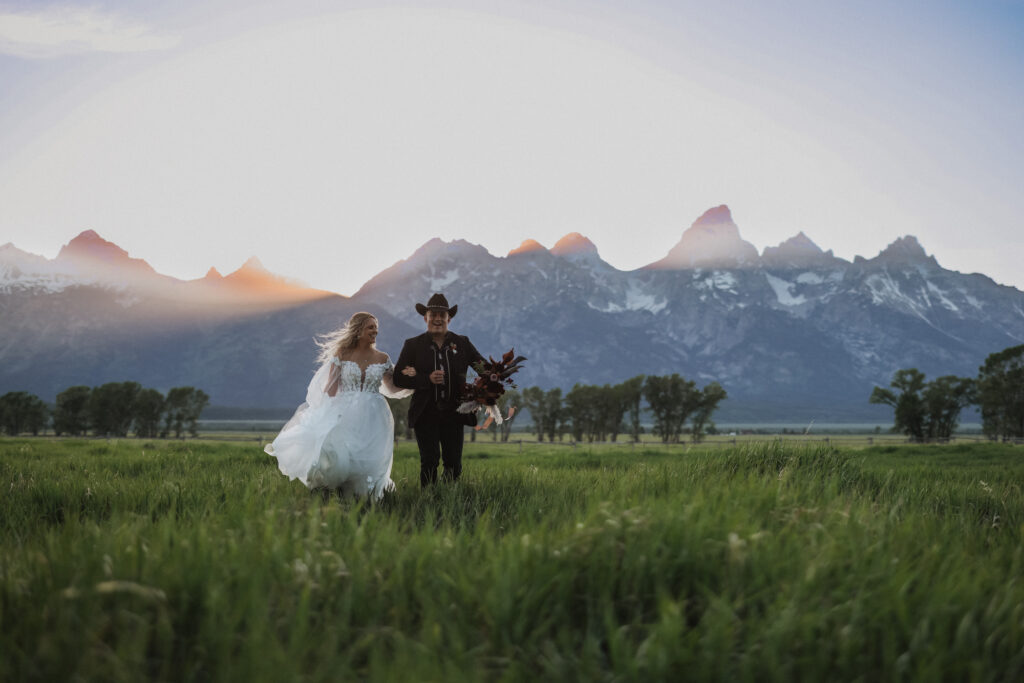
x=454, y=349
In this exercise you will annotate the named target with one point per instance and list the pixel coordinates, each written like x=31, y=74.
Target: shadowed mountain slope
x=793, y=335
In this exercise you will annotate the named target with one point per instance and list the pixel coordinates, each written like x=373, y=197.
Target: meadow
x=763, y=560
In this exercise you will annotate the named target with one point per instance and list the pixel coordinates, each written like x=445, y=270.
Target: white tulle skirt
x=344, y=442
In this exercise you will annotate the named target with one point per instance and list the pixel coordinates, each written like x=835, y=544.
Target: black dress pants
x=439, y=437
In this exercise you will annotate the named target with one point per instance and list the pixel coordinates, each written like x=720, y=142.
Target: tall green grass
x=127, y=560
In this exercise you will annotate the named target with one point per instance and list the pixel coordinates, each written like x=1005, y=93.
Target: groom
x=434, y=365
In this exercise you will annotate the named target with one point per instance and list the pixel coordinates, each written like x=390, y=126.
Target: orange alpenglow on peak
x=573, y=243
x=527, y=247
x=253, y=264
x=90, y=253
x=253, y=279
x=713, y=241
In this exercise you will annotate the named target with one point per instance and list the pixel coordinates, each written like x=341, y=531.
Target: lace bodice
x=354, y=378
x=344, y=378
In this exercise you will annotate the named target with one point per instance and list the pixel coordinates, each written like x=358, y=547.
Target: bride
x=342, y=437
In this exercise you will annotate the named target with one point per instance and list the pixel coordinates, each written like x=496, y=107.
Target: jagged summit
x=528, y=246
x=93, y=258
x=91, y=251
x=572, y=244
x=788, y=345
x=253, y=263
x=801, y=241
x=713, y=241
x=796, y=252
x=431, y=245
x=436, y=255
x=254, y=273
x=15, y=262
x=10, y=251
x=254, y=282
x=436, y=246
x=905, y=250
x=90, y=243
x=716, y=215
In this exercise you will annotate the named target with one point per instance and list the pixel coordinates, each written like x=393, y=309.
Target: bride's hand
x=409, y=371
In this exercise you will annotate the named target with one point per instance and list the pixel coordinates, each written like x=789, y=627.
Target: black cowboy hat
x=437, y=302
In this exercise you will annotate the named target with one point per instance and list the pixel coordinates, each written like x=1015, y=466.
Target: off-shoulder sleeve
x=387, y=384
x=325, y=378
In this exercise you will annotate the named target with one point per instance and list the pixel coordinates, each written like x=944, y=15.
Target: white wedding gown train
x=342, y=437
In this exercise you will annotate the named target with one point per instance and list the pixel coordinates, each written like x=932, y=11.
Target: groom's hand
x=437, y=377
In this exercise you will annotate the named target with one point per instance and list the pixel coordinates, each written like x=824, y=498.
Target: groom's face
x=437, y=322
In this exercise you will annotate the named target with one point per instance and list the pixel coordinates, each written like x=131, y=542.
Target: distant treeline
x=675, y=405
x=927, y=411
x=601, y=413
x=113, y=409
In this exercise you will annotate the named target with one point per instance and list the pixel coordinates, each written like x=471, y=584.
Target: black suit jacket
x=421, y=353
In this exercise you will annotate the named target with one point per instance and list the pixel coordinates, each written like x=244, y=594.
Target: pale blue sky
x=331, y=139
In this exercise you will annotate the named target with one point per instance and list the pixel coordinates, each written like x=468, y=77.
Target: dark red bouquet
x=489, y=385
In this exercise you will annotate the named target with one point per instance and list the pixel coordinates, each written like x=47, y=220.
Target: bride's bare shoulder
x=381, y=357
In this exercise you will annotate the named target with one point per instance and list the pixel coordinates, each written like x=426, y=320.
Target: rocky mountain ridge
x=793, y=334
x=90, y=260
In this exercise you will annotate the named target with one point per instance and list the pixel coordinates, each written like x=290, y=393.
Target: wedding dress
x=345, y=440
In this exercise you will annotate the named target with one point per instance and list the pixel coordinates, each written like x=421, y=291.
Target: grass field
x=128, y=560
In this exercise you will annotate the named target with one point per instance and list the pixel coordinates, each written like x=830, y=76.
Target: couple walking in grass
x=342, y=437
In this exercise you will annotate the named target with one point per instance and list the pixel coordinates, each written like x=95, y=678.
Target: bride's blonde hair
x=345, y=337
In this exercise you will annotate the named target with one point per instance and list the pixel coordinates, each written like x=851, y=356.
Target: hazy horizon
x=296, y=279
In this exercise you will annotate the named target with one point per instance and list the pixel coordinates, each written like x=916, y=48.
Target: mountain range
x=794, y=333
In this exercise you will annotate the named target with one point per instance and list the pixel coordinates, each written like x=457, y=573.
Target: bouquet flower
x=489, y=385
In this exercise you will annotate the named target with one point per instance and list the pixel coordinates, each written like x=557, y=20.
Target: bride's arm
x=325, y=384
x=332, y=380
